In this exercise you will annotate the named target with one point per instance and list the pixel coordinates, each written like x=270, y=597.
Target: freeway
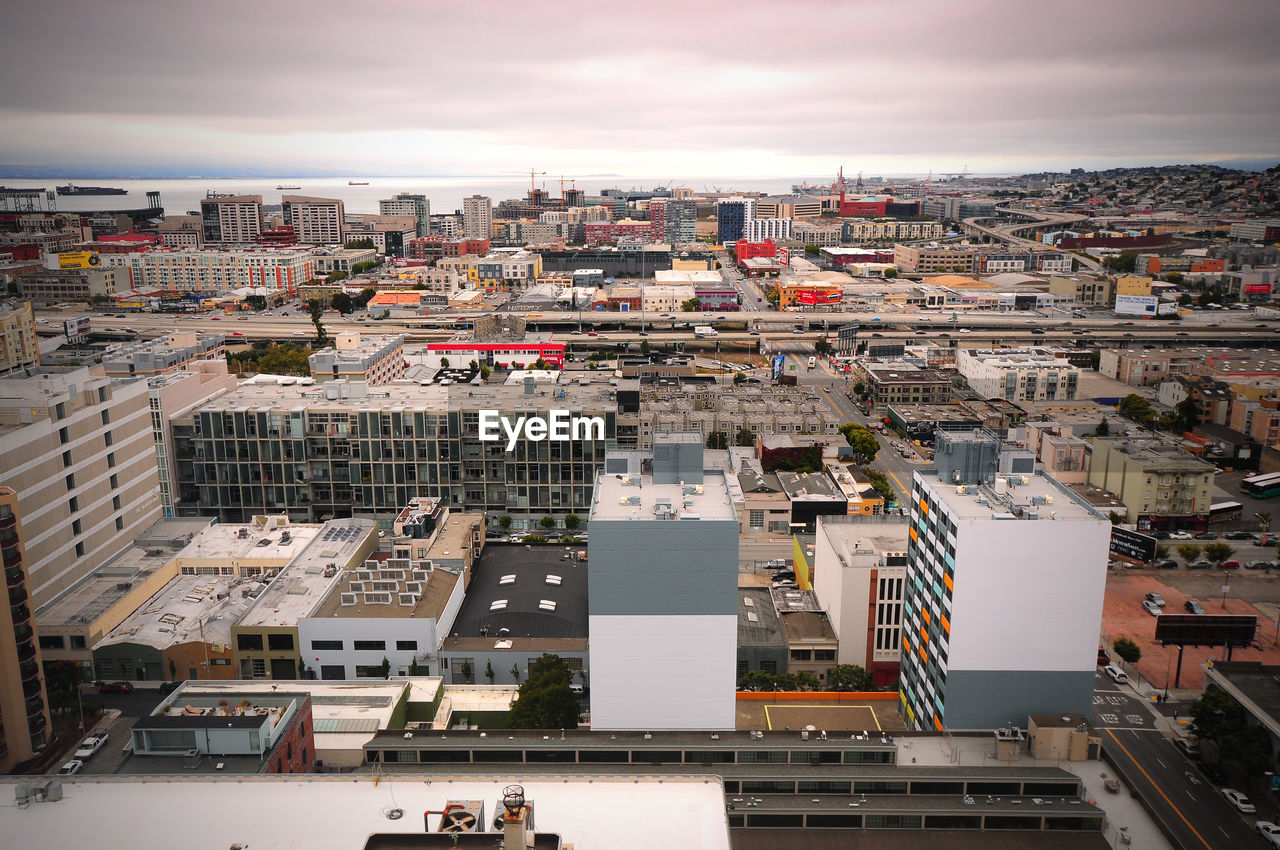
x=1008, y=233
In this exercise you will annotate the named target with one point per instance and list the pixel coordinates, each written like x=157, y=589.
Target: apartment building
x=215, y=271
x=879, y=230
x=760, y=229
x=1089, y=291
x=1259, y=418
x=980, y=537
x=1061, y=454
x=358, y=357
x=762, y=409
x=607, y=232
x=231, y=219
x=173, y=395
x=347, y=449
x=51, y=286
x=898, y=382
x=666, y=298
x=788, y=206
x=679, y=219
x=1162, y=486
x=150, y=357
x=181, y=231
x=810, y=233
x=1018, y=374
x=78, y=451
x=477, y=217
x=507, y=269
x=407, y=203
x=663, y=593
x=934, y=258
x=973, y=259
x=18, y=343
x=1212, y=398
x=1256, y=231
x=315, y=221
x=732, y=215
x=24, y=704
x=328, y=261
x=390, y=234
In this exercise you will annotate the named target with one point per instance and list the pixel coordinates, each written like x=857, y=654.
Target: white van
x=1117, y=675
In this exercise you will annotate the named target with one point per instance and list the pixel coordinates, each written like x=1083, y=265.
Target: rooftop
x=809, y=486
x=409, y=588
x=1013, y=497
x=854, y=534
x=189, y=608
x=510, y=585
x=758, y=623
x=268, y=541
x=637, y=497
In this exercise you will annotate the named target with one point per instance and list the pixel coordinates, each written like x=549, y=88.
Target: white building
x=405, y=203
x=1003, y=602
x=663, y=593
x=666, y=298
x=1018, y=374
x=760, y=229
x=217, y=271
x=315, y=221
x=231, y=219
x=477, y=217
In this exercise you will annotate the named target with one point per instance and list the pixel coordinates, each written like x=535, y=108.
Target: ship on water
x=288, y=187
x=71, y=189
x=357, y=182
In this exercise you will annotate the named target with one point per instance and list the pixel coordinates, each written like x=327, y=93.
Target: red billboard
x=820, y=296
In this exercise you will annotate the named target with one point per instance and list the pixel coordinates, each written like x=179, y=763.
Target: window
x=51, y=642
x=115, y=481
x=64, y=436
x=108, y=439
x=70, y=480
x=75, y=527
x=79, y=550
x=259, y=668
x=407, y=644
x=326, y=645
x=66, y=458
x=111, y=459
x=248, y=642
x=74, y=504
x=756, y=519
x=115, y=503
x=106, y=417
x=368, y=671
x=277, y=641
x=78, y=642
x=369, y=646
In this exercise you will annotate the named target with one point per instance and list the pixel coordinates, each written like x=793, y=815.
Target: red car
x=1230, y=565
x=236, y=333
x=116, y=688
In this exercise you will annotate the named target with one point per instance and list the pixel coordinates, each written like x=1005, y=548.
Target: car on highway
x=236, y=333
x=1239, y=800
x=1269, y=831
x=1152, y=596
x=1038, y=331
x=299, y=333
x=71, y=768
x=964, y=331
x=215, y=318
x=1151, y=608
x=116, y=688
x=566, y=316
x=90, y=746
x=1183, y=333
x=1193, y=607
x=592, y=333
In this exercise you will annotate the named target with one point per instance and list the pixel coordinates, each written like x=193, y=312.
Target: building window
x=249, y=642
x=411, y=645
x=369, y=646
x=51, y=642
x=756, y=520
x=78, y=642
x=259, y=668
x=79, y=550
x=368, y=671
x=111, y=459
x=70, y=481
x=66, y=458
x=326, y=645
x=108, y=439
x=280, y=642
x=64, y=436
x=106, y=417
x=76, y=528
x=115, y=503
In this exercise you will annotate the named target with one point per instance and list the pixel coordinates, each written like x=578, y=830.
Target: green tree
x=1184, y=300
x=803, y=680
x=644, y=346
x=1217, y=551
x=466, y=670
x=1125, y=262
x=717, y=440
x=1127, y=650
x=860, y=389
x=572, y=521
x=285, y=359
x=1174, y=277
x=691, y=305
x=1263, y=519
x=334, y=277
x=367, y=265
x=62, y=684
x=256, y=302
x=1189, y=551
x=488, y=670
x=812, y=250
x=359, y=243
x=890, y=273
x=545, y=700
x=505, y=520
x=515, y=672
x=849, y=677
x=341, y=302
x=485, y=371
x=739, y=378
x=1218, y=718
x=316, y=310
x=547, y=522
x=1186, y=414
x=444, y=362
x=1104, y=428
x=822, y=348
x=415, y=669
x=745, y=436
x=1116, y=517
x=864, y=443
x=386, y=667
x=1162, y=551
x=1138, y=409
x=879, y=483
x=366, y=295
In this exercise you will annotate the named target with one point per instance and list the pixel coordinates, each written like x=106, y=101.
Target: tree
x=62, y=684
x=334, y=277
x=341, y=302
x=1186, y=414
x=466, y=670
x=812, y=250
x=1162, y=551
x=256, y=302
x=717, y=440
x=864, y=443
x=485, y=371
x=849, y=677
x=691, y=305
x=444, y=362
x=415, y=669
x=890, y=273
x=1263, y=519
x=572, y=521
x=1127, y=650
x=1138, y=409
x=1189, y=551
x=745, y=437
x=805, y=681
x=1174, y=277
x=316, y=309
x=359, y=243
x=644, y=346
x=1116, y=517
x=488, y=670
x=860, y=389
x=1125, y=261
x=366, y=295
x=822, y=347
x=1103, y=429
x=739, y=378
x=367, y=265
x=386, y=667
x=547, y=522
x=285, y=359
x=505, y=520
x=1217, y=551
x=1218, y=718
x=515, y=672
x=879, y=483
x=1184, y=300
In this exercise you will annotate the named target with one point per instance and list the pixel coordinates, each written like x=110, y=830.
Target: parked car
x=1207, y=535
x=1117, y=675
x=1151, y=608
x=116, y=688
x=89, y=746
x=1193, y=607
x=1259, y=565
x=170, y=687
x=1211, y=772
x=71, y=768
x=1239, y=800
x=1230, y=565
x=1201, y=564
x=783, y=574
x=1189, y=748
x=1239, y=535
x=1103, y=658
x=1179, y=535
x=1156, y=598
x=1160, y=535
x=1269, y=831
x=1167, y=564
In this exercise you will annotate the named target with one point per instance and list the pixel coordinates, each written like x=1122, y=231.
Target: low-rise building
x=812, y=494
x=1211, y=398
x=1017, y=374
x=330, y=260
x=899, y=382
x=358, y=357
x=812, y=645
x=18, y=343
x=150, y=357
x=51, y=286
x=761, y=409
x=1162, y=486
x=1089, y=291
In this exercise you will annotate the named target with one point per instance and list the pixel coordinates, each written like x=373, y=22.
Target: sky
x=656, y=88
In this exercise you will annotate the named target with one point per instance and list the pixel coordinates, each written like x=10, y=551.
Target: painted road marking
x=1109, y=718
x=1160, y=791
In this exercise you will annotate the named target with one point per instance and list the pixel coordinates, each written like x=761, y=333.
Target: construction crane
x=532, y=173
x=572, y=180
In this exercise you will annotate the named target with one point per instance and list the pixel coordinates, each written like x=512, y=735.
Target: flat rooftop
x=302, y=586
x=272, y=541
x=876, y=533
x=508, y=589
x=1040, y=498
x=189, y=608
x=430, y=589
x=624, y=496
x=337, y=813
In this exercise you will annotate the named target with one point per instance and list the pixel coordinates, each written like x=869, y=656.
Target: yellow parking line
x=1159, y=790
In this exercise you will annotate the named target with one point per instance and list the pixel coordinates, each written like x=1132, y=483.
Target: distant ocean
x=444, y=193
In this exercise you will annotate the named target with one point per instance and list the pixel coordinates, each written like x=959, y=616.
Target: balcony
x=17, y=595
x=31, y=688
x=35, y=707
x=12, y=557
x=29, y=670
x=36, y=723
x=26, y=651
x=8, y=520
x=20, y=614
x=14, y=577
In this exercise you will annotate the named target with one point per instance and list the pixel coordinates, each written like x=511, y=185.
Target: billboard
x=76, y=327
x=78, y=259
x=784, y=256
x=820, y=296
x=1206, y=629
x=1136, y=305
x=777, y=365
x=1131, y=544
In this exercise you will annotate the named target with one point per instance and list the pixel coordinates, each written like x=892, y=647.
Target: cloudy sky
x=680, y=88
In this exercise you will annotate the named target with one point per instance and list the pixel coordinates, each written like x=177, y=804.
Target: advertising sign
x=784, y=256
x=1131, y=544
x=78, y=260
x=76, y=328
x=777, y=365
x=1136, y=305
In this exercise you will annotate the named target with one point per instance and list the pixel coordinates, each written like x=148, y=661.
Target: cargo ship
x=288, y=187
x=69, y=189
x=357, y=182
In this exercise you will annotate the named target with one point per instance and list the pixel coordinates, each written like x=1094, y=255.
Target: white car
x=1239, y=800
x=71, y=768
x=1151, y=608
x=964, y=331
x=91, y=745
x=566, y=317
x=1269, y=831
x=1179, y=535
x=300, y=333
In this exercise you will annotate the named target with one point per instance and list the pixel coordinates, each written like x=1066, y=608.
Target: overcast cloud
x=686, y=89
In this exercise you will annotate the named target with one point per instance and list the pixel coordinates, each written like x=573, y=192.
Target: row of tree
x=842, y=677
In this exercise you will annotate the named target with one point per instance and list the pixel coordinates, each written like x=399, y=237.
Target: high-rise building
x=79, y=451
x=232, y=219
x=760, y=229
x=732, y=216
x=681, y=219
x=172, y=395
x=405, y=203
x=315, y=221
x=477, y=217
x=24, y=707
x=663, y=593
x=18, y=344
x=1006, y=571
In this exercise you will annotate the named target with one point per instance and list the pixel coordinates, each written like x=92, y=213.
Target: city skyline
x=991, y=87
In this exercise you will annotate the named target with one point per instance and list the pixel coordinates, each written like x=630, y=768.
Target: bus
x=1261, y=486
x=1225, y=512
